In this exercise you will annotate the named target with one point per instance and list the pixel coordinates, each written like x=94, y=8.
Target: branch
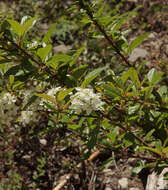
x=43, y=67
x=101, y=29
x=124, y=128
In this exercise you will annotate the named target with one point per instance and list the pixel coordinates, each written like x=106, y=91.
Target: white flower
x=29, y=116
x=8, y=108
x=51, y=92
x=32, y=114
x=26, y=95
x=86, y=100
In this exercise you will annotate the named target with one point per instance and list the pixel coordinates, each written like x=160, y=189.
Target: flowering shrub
x=126, y=111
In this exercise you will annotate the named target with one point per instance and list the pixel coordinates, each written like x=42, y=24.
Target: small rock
x=137, y=53
x=152, y=182
x=123, y=182
x=43, y=141
x=162, y=184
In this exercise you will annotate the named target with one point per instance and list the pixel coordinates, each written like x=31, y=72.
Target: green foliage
x=134, y=115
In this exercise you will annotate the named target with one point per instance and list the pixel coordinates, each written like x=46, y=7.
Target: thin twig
x=68, y=176
x=28, y=55
x=124, y=128
x=101, y=29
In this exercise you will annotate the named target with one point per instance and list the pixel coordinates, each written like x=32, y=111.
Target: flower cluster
x=8, y=108
x=83, y=100
x=33, y=114
x=86, y=100
x=30, y=115
x=51, y=92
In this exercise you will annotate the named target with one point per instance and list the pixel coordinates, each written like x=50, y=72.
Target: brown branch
x=124, y=128
x=101, y=29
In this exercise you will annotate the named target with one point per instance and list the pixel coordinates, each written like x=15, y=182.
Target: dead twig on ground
x=68, y=176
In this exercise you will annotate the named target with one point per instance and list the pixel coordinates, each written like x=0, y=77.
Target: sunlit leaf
x=79, y=71
x=111, y=90
x=63, y=93
x=28, y=25
x=91, y=76
x=154, y=150
x=47, y=97
x=58, y=60
x=153, y=76
x=76, y=55
x=15, y=26
x=44, y=52
x=11, y=79
x=46, y=38
x=138, y=40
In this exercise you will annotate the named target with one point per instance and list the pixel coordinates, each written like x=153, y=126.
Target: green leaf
x=119, y=23
x=137, y=42
x=125, y=76
x=133, y=109
x=139, y=166
x=154, y=77
x=46, y=38
x=44, y=52
x=91, y=76
x=106, y=20
x=93, y=138
x=111, y=90
x=99, y=12
x=113, y=134
x=73, y=126
x=148, y=92
x=18, y=85
x=165, y=150
x=106, y=163
x=149, y=134
x=15, y=26
x=2, y=61
x=78, y=72
x=76, y=55
x=58, y=60
x=11, y=79
x=47, y=97
x=28, y=25
x=158, y=145
x=163, y=90
x=166, y=175
x=13, y=70
x=134, y=77
x=85, y=21
x=87, y=81
x=128, y=139
x=152, y=150
x=63, y=93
